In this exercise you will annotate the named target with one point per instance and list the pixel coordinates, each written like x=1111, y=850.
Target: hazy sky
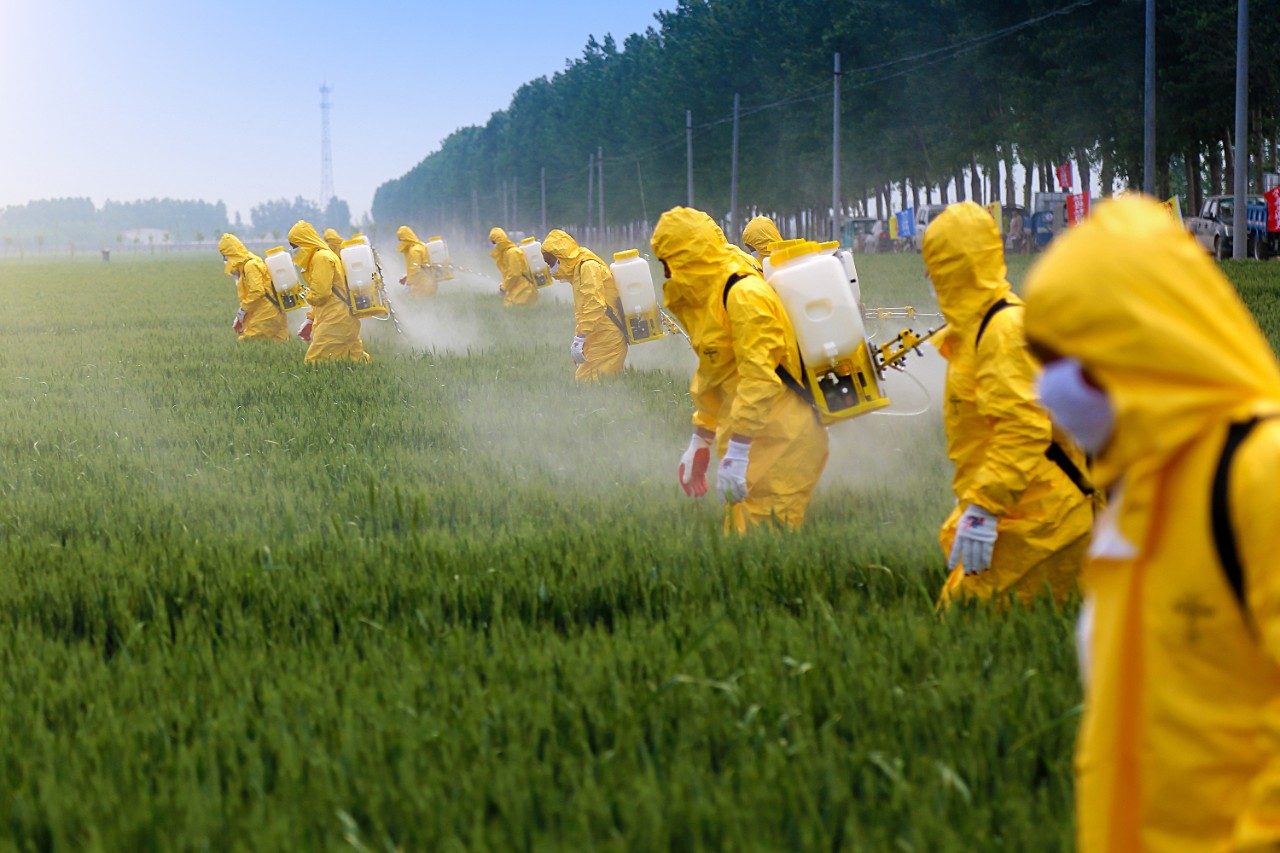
x=138, y=99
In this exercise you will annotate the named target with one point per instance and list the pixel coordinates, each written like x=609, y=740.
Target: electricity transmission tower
x=326, y=148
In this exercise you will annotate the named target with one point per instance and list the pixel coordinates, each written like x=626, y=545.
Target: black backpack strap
x=614, y=313
x=1224, y=537
x=1057, y=454
x=1000, y=305
x=784, y=376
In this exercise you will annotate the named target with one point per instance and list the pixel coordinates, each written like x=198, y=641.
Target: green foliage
x=1068, y=86
x=453, y=600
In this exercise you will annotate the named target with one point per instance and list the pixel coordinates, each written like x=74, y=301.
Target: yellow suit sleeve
x=1020, y=430
x=759, y=346
x=706, y=400
x=591, y=305
x=513, y=268
x=320, y=280
x=1255, y=506
x=255, y=284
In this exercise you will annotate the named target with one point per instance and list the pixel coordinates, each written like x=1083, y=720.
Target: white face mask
x=555, y=266
x=235, y=276
x=1075, y=405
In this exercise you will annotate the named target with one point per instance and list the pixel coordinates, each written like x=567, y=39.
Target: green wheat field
x=452, y=600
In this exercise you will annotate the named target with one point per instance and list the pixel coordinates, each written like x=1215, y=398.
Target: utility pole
x=600, y=186
x=1149, y=105
x=733, y=174
x=544, y=201
x=688, y=155
x=591, y=187
x=1240, y=235
x=326, y=148
x=835, y=154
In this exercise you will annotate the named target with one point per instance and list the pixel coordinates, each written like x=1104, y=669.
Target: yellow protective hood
x=964, y=256
x=699, y=259
x=570, y=254
x=759, y=233
x=333, y=239
x=303, y=235
x=235, y=253
x=407, y=238
x=501, y=242
x=1131, y=295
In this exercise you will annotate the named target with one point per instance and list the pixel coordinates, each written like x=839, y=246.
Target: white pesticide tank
x=814, y=289
x=284, y=275
x=635, y=283
x=439, y=252
x=537, y=264
x=845, y=257
x=357, y=261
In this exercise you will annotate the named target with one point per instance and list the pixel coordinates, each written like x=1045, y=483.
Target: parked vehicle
x=1212, y=228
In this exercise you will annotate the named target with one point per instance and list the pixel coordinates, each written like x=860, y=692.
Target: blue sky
x=220, y=100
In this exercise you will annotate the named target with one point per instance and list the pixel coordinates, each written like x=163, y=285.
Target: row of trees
x=937, y=96
x=57, y=222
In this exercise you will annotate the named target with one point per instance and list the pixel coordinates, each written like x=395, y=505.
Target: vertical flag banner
x=906, y=222
x=997, y=213
x=1077, y=208
x=1273, y=209
x=1065, y=177
x=893, y=227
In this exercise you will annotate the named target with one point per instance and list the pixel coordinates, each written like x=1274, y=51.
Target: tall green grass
x=452, y=600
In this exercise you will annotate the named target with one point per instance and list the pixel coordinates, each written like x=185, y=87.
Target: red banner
x=1273, y=209
x=1064, y=175
x=1077, y=208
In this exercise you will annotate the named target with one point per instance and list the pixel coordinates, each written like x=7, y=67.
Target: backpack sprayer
x=366, y=287
x=538, y=268
x=284, y=280
x=843, y=370
x=643, y=317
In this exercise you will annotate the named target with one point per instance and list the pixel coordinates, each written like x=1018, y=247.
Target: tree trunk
x=1107, y=175
x=1191, y=164
x=944, y=191
x=1028, y=184
x=959, y=184
x=1084, y=174
x=1215, y=170
x=1010, y=191
x=1046, y=177
x=928, y=193
x=1229, y=162
x=975, y=180
x=915, y=194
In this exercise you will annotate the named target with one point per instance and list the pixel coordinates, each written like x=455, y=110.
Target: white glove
x=575, y=350
x=237, y=325
x=975, y=540
x=731, y=476
x=694, y=463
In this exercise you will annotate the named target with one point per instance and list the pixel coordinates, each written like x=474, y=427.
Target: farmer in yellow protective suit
x=259, y=317
x=599, y=346
x=333, y=240
x=1024, y=502
x=418, y=276
x=759, y=233
x=1155, y=364
x=513, y=269
x=334, y=333
x=772, y=447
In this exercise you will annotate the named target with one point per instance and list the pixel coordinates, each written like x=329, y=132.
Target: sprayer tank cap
x=527, y=240
x=627, y=255
x=788, y=253
x=435, y=238
x=829, y=245
x=355, y=241
x=275, y=250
